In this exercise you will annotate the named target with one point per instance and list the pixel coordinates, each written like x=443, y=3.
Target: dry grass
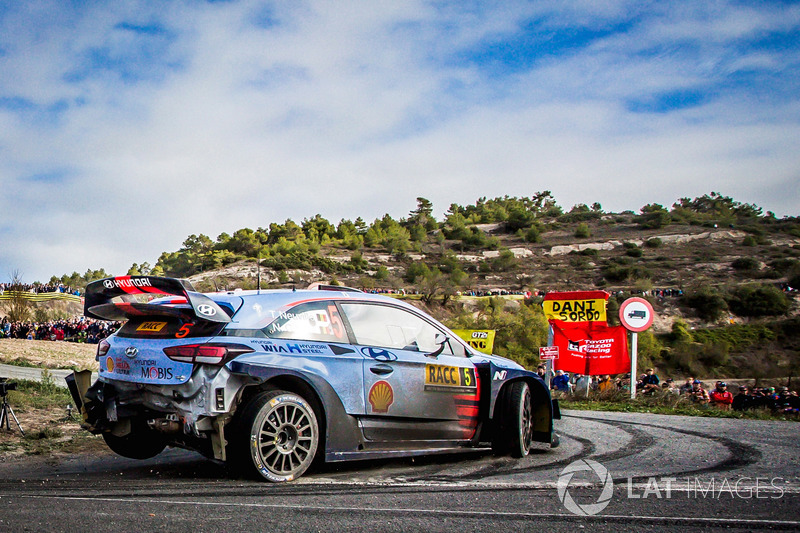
x=48, y=354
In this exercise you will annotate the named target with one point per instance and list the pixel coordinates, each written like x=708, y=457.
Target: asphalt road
x=35, y=374
x=641, y=473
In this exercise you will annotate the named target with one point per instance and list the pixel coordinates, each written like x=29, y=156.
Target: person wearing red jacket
x=721, y=397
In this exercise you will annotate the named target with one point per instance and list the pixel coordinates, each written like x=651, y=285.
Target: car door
x=414, y=388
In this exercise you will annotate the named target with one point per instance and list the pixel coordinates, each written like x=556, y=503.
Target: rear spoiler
x=99, y=295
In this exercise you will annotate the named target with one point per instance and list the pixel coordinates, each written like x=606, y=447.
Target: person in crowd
x=743, y=400
x=561, y=381
x=650, y=381
x=669, y=386
x=605, y=384
x=686, y=388
x=541, y=370
x=721, y=397
x=699, y=394
x=582, y=384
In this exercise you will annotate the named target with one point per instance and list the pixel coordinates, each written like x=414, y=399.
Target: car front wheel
x=515, y=431
x=282, y=435
x=520, y=420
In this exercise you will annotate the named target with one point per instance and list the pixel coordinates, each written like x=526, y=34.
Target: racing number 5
x=183, y=331
x=336, y=322
x=467, y=378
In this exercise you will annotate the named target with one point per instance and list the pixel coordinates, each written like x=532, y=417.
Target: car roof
x=256, y=309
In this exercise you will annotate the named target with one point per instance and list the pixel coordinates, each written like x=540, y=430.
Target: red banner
x=594, y=350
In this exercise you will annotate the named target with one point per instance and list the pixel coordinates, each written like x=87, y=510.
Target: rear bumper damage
x=191, y=415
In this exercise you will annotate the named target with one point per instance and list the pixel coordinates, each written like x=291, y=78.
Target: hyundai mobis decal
x=145, y=370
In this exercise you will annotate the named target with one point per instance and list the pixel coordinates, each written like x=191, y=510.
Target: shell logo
x=109, y=364
x=380, y=397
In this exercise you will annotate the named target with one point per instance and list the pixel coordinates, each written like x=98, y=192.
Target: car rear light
x=102, y=349
x=206, y=354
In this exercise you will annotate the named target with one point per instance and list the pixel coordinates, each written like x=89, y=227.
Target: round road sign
x=636, y=314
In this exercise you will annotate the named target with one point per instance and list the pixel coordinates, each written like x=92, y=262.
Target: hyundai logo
x=207, y=310
x=131, y=351
x=108, y=284
x=379, y=354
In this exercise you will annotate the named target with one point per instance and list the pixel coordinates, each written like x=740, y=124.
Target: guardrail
x=41, y=296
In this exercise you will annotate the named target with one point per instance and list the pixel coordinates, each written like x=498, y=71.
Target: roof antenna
x=259, y=272
x=294, y=289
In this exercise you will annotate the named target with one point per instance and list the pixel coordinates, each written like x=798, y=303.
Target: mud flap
x=556, y=409
x=78, y=383
x=218, y=442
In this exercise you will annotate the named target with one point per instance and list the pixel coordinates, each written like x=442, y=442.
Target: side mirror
x=441, y=340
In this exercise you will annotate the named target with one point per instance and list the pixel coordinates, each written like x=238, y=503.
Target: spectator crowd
x=39, y=288
x=78, y=329
x=778, y=400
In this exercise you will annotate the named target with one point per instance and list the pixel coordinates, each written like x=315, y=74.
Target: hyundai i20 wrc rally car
x=271, y=380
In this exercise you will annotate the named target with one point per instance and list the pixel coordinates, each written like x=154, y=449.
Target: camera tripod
x=7, y=412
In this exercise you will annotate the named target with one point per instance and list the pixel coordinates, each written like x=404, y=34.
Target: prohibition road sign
x=636, y=314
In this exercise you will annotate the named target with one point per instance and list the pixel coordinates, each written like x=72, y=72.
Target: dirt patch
x=48, y=433
x=48, y=354
x=51, y=430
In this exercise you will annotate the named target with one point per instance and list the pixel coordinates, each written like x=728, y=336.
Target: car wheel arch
x=541, y=405
x=339, y=431
x=297, y=385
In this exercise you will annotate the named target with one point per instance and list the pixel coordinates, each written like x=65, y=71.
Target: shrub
x=749, y=241
x=653, y=216
x=582, y=231
x=634, y=252
x=758, y=300
x=707, y=302
x=415, y=270
x=533, y=234
x=744, y=263
x=615, y=273
x=655, y=242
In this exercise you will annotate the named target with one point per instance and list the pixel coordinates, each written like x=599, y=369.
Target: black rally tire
x=141, y=443
x=278, y=436
x=520, y=419
x=515, y=429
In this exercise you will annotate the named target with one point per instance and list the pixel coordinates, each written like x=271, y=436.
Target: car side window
x=391, y=327
x=312, y=321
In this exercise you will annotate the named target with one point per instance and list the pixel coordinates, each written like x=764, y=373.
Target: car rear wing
x=101, y=293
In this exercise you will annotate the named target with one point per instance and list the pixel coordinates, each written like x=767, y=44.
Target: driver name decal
x=441, y=378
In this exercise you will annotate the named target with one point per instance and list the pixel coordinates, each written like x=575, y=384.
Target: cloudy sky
x=126, y=126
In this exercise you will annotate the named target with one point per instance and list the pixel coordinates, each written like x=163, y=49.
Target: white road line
x=442, y=512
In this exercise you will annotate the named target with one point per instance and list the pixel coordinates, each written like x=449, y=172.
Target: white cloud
x=355, y=110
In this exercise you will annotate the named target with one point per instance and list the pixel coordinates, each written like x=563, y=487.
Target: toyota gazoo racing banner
x=593, y=351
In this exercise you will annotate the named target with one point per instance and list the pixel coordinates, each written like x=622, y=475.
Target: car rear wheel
x=281, y=433
x=141, y=443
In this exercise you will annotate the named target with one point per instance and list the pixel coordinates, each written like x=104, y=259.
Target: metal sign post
x=636, y=314
x=634, y=342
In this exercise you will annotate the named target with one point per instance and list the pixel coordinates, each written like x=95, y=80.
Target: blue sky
x=126, y=126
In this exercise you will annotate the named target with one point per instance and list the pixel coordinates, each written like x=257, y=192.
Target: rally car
x=272, y=380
